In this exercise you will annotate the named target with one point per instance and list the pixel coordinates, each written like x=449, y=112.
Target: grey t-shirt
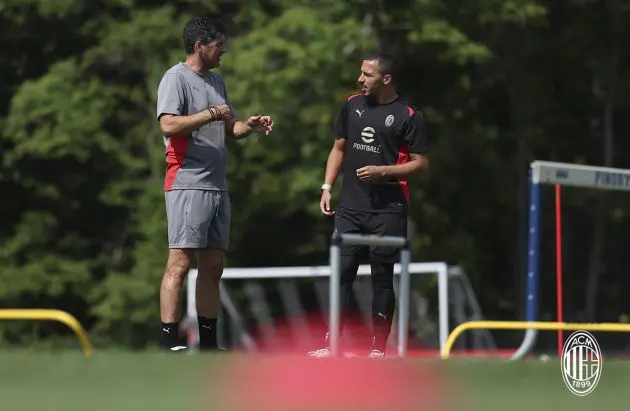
x=197, y=160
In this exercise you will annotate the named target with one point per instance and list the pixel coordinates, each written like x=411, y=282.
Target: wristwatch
x=327, y=187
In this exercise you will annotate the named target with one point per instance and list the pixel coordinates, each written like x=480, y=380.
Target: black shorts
x=360, y=222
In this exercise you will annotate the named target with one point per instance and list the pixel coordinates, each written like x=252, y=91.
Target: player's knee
x=383, y=275
x=178, y=264
x=211, y=263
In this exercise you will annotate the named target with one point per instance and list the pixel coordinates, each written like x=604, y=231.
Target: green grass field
x=67, y=381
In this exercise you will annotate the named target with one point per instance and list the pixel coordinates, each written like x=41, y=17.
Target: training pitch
x=66, y=381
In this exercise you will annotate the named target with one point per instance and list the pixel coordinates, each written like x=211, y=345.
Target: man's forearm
x=240, y=129
x=416, y=166
x=184, y=125
x=333, y=166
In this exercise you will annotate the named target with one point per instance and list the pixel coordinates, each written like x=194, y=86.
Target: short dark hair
x=386, y=62
x=204, y=29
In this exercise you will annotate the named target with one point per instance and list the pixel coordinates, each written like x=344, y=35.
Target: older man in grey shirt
x=195, y=117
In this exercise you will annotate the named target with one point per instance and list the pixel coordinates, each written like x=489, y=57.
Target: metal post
x=335, y=298
x=533, y=254
x=403, y=301
x=442, y=274
x=533, y=249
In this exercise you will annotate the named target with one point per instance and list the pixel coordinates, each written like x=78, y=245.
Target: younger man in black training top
x=380, y=141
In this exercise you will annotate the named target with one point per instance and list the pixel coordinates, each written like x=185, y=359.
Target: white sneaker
x=321, y=353
x=376, y=354
x=179, y=348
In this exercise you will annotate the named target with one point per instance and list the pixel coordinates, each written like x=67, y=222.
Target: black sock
x=170, y=334
x=345, y=292
x=207, y=333
x=383, y=303
x=382, y=316
x=349, y=266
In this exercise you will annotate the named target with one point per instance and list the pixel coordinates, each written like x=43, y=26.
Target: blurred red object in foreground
x=296, y=383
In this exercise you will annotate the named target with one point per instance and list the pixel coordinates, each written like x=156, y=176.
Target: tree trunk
x=519, y=114
x=599, y=234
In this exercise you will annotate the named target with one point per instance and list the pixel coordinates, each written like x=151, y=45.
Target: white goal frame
x=440, y=269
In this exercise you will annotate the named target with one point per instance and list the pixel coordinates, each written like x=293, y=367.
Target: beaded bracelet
x=214, y=113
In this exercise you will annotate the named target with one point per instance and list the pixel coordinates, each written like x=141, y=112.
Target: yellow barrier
x=524, y=325
x=51, y=315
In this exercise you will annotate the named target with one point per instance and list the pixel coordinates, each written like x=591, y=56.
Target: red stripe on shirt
x=175, y=154
x=353, y=96
x=403, y=157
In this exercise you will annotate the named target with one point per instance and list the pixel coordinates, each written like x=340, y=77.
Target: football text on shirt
x=367, y=147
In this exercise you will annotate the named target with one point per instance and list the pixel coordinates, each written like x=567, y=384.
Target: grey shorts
x=198, y=218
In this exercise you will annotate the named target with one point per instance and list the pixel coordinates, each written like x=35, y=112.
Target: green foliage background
x=501, y=83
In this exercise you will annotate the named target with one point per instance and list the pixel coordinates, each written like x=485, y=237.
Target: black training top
x=378, y=134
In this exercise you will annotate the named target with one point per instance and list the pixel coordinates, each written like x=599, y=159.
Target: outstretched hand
x=260, y=124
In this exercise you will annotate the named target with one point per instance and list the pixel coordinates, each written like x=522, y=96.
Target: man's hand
x=324, y=203
x=260, y=124
x=371, y=173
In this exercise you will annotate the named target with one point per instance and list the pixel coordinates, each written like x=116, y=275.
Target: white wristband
x=327, y=187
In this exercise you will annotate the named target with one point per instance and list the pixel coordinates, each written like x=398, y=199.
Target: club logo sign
x=581, y=363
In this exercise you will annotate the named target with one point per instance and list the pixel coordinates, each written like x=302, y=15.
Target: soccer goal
x=562, y=176
x=275, y=306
